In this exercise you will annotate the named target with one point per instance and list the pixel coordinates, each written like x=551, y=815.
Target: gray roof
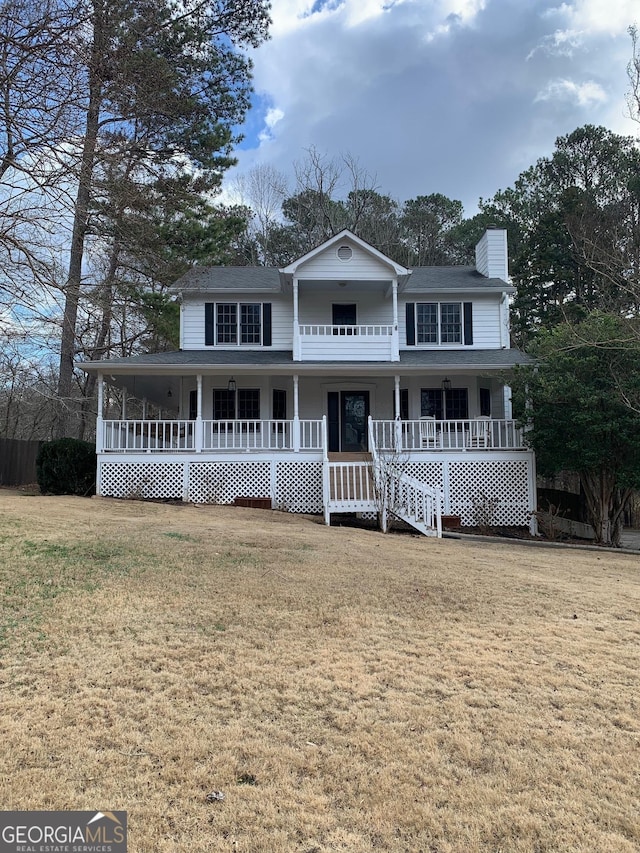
x=269, y=280
x=265, y=279
x=413, y=359
x=453, y=278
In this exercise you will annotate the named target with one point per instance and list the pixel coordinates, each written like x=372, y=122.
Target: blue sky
x=450, y=96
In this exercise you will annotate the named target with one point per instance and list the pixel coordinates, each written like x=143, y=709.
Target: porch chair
x=428, y=431
x=480, y=432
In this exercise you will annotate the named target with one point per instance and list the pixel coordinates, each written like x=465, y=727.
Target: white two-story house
x=293, y=384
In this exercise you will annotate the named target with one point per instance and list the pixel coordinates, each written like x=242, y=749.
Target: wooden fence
x=18, y=461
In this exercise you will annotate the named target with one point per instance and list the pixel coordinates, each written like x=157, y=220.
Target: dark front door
x=354, y=412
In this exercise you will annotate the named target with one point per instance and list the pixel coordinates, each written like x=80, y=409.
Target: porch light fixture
x=446, y=385
x=231, y=386
x=169, y=394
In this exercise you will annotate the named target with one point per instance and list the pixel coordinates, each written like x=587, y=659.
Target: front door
x=354, y=412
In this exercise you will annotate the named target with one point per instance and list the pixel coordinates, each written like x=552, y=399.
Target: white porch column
x=199, y=432
x=398, y=424
x=395, y=337
x=144, y=408
x=99, y=421
x=296, y=416
x=123, y=409
x=296, y=325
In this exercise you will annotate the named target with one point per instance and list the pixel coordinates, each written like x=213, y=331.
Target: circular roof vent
x=345, y=253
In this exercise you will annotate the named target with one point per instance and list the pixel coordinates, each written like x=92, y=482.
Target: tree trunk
x=100, y=347
x=605, y=505
x=80, y=217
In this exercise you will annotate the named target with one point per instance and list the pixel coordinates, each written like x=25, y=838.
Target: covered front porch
x=214, y=432
x=273, y=408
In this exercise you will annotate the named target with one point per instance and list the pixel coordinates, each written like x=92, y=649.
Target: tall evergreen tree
x=162, y=84
x=574, y=219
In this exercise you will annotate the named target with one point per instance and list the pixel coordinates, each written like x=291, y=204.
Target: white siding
x=486, y=323
x=281, y=318
x=193, y=324
x=491, y=254
x=361, y=265
x=486, y=319
x=282, y=322
x=315, y=306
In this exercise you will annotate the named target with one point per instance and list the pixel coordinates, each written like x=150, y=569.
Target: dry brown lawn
x=345, y=690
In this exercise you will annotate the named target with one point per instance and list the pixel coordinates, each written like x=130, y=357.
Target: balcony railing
x=367, y=342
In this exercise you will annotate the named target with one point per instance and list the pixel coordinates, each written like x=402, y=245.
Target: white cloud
x=271, y=119
x=584, y=94
x=589, y=17
x=436, y=95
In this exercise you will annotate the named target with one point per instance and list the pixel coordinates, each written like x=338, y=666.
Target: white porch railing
x=304, y=435
x=149, y=436
x=247, y=435
x=431, y=434
x=182, y=435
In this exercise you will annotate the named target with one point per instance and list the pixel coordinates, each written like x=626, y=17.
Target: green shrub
x=67, y=466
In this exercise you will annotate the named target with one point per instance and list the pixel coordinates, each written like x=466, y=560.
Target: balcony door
x=348, y=412
x=343, y=314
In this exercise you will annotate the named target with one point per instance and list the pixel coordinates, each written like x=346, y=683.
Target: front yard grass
x=343, y=689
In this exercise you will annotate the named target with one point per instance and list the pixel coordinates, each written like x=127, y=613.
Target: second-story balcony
x=366, y=342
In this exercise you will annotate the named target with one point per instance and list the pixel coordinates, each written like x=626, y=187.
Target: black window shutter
x=266, y=324
x=411, y=324
x=209, y=324
x=468, y=323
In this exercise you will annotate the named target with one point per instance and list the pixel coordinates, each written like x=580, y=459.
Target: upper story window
x=237, y=324
x=437, y=323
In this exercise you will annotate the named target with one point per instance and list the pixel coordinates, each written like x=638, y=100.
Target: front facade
x=290, y=383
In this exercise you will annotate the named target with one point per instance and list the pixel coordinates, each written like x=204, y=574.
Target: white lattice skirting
x=292, y=486
x=497, y=492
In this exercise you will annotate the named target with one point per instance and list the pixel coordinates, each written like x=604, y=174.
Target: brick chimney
x=492, y=260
